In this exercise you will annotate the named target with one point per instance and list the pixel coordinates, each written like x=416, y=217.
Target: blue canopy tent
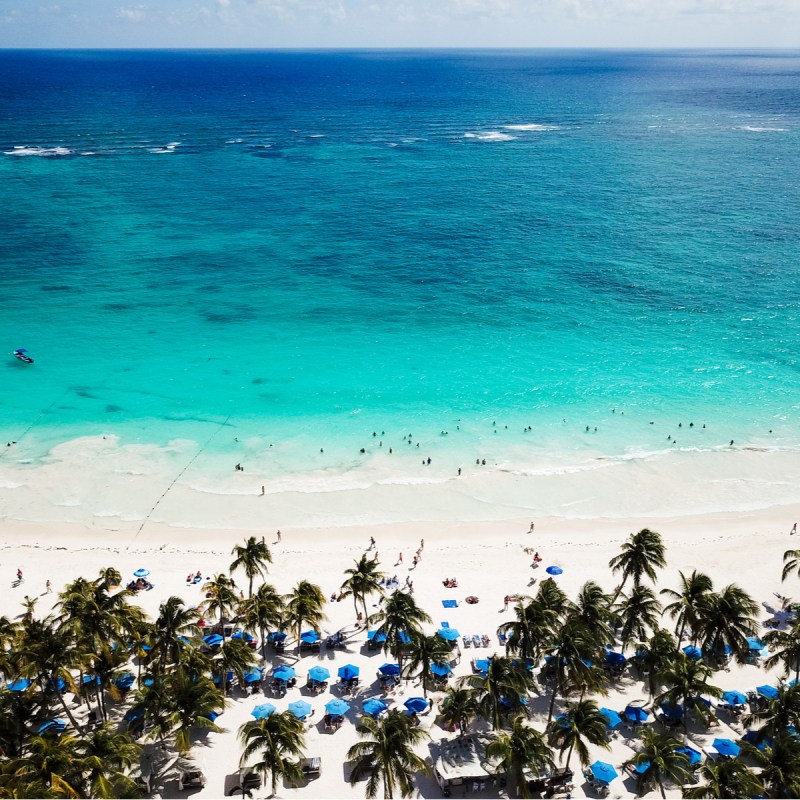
x=635, y=714
x=283, y=673
x=337, y=707
x=373, y=707
x=348, y=672
x=52, y=726
x=441, y=669
x=389, y=669
x=263, y=711
x=417, y=704
x=612, y=718
x=318, y=674
x=253, y=675
x=300, y=708
x=726, y=747
x=693, y=755
x=448, y=634
x=734, y=698
x=603, y=772
x=693, y=652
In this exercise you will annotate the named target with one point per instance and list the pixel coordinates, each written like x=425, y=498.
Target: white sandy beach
x=486, y=557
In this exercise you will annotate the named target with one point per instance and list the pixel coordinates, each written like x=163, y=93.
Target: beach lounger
x=485, y=640
x=502, y=638
x=476, y=640
x=467, y=641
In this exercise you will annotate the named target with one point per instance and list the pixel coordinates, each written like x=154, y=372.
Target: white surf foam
x=490, y=136
x=42, y=152
x=762, y=129
x=531, y=126
x=167, y=148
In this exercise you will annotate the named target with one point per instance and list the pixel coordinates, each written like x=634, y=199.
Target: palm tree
x=663, y=762
x=399, y=619
x=253, y=558
x=572, y=656
x=781, y=713
x=686, y=681
x=51, y=767
x=264, y=610
x=111, y=576
x=785, y=649
x=236, y=657
x=519, y=751
x=779, y=761
x=791, y=563
x=725, y=779
x=304, y=606
x=639, y=613
x=687, y=601
x=458, y=709
x=275, y=740
x=641, y=555
x=533, y=627
x=190, y=700
x=175, y=628
x=593, y=609
x=107, y=757
x=501, y=690
x=363, y=580
x=422, y=652
x=581, y=724
x=727, y=618
x=386, y=756
x=222, y=600
x=653, y=657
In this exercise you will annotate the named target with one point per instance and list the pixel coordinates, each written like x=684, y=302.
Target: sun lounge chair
x=485, y=640
x=467, y=641
x=502, y=638
x=476, y=640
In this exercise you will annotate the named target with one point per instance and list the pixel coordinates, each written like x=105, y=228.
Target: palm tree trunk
x=619, y=590
x=556, y=687
x=63, y=702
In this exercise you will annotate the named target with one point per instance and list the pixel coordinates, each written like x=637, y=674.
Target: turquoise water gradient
x=316, y=246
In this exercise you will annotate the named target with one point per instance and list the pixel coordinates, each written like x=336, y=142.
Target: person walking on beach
x=371, y=542
x=19, y=575
x=279, y=535
x=262, y=491
x=793, y=531
x=505, y=603
x=533, y=525
x=399, y=559
x=48, y=587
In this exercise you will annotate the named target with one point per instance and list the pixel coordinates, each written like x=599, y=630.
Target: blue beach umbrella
x=752, y=737
x=734, y=698
x=283, y=673
x=253, y=675
x=389, y=669
x=141, y=573
x=309, y=637
x=448, y=634
x=337, y=707
x=373, y=707
x=770, y=692
x=348, y=672
x=726, y=747
x=603, y=772
x=690, y=753
x=640, y=768
x=277, y=636
x=90, y=679
x=615, y=659
x=52, y=726
x=213, y=640
x=754, y=643
x=263, y=711
x=554, y=570
x=483, y=664
x=19, y=685
x=376, y=636
x=693, y=652
x=403, y=637
x=58, y=686
x=612, y=718
x=133, y=713
x=247, y=637
x=148, y=682
x=300, y=708
x=636, y=713
x=674, y=712
x=441, y=669
x=211, y=716
x=319, y=674
x=125, y=681
x=416, y=704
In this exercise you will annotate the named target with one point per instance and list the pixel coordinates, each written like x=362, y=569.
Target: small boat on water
x=22, y=354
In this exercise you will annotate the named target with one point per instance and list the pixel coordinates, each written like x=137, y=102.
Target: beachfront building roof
x=462, y=760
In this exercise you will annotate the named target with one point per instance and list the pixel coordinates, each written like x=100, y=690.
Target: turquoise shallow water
x=313, y=247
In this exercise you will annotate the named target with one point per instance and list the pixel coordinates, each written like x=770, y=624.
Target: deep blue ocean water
x=316, y=246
